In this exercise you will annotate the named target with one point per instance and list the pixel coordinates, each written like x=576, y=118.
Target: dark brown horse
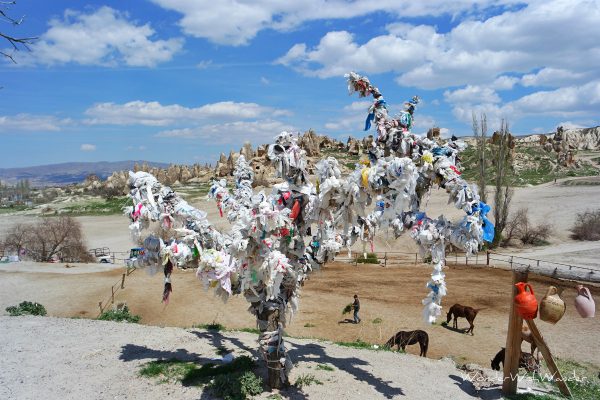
x=402, y=339
x=465, y=312
x=526, y=360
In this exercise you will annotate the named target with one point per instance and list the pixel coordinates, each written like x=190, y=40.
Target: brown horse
x=402, y=339
x=526, y=360
x=465, y=312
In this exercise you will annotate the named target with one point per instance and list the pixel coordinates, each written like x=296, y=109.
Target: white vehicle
x=102, y=255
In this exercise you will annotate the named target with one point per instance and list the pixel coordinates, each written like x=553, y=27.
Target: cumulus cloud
x=475, y=51
x=32, y=123
x=88, y=147
x=229, y=132
x=103, y=37
x=472, y=94
x=155, y=114
x=236, y=22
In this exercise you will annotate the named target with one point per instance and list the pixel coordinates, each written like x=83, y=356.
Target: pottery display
x=525, y=301
x=552, y=307
x=584, y=303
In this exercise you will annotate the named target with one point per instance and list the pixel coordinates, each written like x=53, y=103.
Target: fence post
x=488, y=258
x=513, y=341
x=112, y=297
x=123, y=282
x=385, y=260
x=100, y=305
x=416, y=258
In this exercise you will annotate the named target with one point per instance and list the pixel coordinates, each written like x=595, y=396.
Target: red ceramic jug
x=526, y=302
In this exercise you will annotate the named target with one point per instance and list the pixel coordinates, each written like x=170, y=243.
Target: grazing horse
x=402, y=339
x=526, y=360
x=465, y=312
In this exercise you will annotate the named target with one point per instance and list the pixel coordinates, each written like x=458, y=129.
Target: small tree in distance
x=50, y=237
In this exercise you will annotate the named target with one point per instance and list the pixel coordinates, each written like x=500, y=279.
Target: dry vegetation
x=587, y=226
x=48, y=239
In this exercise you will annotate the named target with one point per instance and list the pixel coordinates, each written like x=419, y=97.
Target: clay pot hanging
x=552, y=307
x=584, y=303
x=525, y=301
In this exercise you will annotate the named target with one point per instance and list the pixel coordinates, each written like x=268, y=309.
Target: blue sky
x=183, y=80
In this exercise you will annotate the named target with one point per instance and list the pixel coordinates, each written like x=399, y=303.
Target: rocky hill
x=66, y=173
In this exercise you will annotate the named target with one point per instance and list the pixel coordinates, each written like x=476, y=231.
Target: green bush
x=306, y=380
x=371, y=259
x=119, y=316
x=236, y=385
x=214, y=326
x=27, y=308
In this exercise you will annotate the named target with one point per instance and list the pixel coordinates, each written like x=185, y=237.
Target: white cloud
x=29, y=122
x=572, y=125
x=231, y=131
x=472, y=94
x=103, y=37
x=566, y=102
x=88, y=147
x=204, y=64
x=264, y=80
x=552, y=77
x=476, y=51
x=155, y=114
x=236, y=22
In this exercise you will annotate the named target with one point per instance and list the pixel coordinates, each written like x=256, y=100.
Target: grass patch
x=325, y=367
x=309, y=325
x=377, y=321
x=120, y=316
x=233, y=381
x=306, y=380
x=214, y=326
x=359, y=344
x=167, y=370
x=370, y=259
x=110, y=206
x=249, y=330
x=26, y=308
x=14, y=208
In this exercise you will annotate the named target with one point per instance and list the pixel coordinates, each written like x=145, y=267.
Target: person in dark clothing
x=356, y=306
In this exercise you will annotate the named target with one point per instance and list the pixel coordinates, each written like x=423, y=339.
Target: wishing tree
x=265, y=257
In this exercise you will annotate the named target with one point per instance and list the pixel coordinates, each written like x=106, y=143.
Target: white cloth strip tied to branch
x=399, y=181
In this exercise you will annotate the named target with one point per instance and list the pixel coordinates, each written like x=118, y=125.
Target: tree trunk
x=273, y=350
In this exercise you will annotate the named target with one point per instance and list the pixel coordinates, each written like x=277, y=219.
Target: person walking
x=356, y=307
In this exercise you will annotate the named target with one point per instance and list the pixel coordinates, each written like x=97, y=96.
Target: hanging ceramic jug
x=525, y=301
x=584, y=303
x=552, y=307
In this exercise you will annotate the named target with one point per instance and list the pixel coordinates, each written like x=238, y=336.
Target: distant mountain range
x=67, y=173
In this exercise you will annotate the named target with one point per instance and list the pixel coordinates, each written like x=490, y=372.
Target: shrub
x=120, y=315
x=214, y=326
x=370, y=259
x=520, y=228
x=236, y=385
x=306, y=380
x=587, y=226
x=27, y=308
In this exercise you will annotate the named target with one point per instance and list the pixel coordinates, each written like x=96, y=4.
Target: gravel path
x=55, y=358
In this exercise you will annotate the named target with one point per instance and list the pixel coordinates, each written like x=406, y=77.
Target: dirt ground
x=392, y=294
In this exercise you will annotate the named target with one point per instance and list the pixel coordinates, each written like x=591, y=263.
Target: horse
x=463, y=311
x=402, y=339
x=526, y=360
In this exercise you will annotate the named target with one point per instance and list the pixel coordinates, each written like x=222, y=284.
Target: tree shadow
x=217, y=339
x=131, y=352
x=316, y=353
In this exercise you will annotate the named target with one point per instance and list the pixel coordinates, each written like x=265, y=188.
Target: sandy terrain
x=53, y=358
